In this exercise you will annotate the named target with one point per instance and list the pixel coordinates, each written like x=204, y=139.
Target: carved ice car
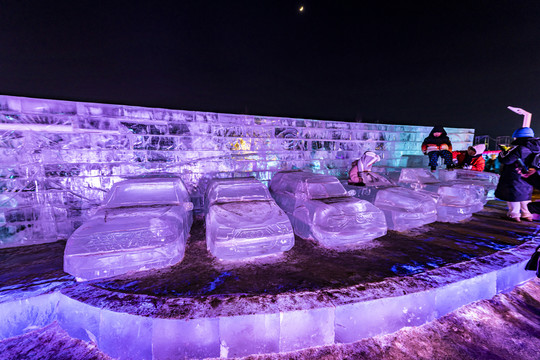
x=458, y=201
x=487, y=180
x=243, y=220
x=143, y=224
x=404, y=208
x=321, y=209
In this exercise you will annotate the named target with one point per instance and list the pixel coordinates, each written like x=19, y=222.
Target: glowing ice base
x=457, y=202
x=320, y=208
x=243, y=220
x=143, y=225
x=403, y=208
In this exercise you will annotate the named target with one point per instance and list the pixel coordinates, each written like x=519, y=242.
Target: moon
x=301, y=9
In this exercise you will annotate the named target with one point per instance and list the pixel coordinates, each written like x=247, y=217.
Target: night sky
x=452, y=63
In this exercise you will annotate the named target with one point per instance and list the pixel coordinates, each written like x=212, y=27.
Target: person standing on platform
x=436, y=145
x=513, y=187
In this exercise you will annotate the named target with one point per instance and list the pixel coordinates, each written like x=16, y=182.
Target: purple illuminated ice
x=487, y=180
x=243, y=220
x=321, y=209
x=403, y=208
x=457, y=201
x=143, y=224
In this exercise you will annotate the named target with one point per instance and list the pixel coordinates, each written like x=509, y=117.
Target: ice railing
x=59, y=158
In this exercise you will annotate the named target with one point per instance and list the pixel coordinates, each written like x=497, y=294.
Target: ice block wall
x=58, y=158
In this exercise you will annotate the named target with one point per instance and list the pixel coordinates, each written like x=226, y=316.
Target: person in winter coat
x=471, y=159
x=438, y=144
x=513, y=187
x=361, y=165
x=493, y=165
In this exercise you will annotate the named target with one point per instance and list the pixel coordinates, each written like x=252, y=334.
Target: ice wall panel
x=370, y=318
x=184, y=339
x=250, y=334
x=73, y=152
x=306, y=328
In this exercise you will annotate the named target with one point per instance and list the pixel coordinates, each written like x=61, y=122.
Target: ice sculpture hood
x=367, y=160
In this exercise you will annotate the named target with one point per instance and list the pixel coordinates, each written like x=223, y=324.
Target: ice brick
x=370, y=318
x=80, y=320
x=20, y=316
x=183, y=339
x=450, y=297
x=125, y=336
x=249, y=334
x=306, y=328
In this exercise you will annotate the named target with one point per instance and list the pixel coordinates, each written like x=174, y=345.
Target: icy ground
x=505, y=327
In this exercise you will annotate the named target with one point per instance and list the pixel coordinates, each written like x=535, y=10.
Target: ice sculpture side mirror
x=188, y=206
x=351, y=192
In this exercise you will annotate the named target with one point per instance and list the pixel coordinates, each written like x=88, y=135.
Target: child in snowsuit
x=513, y=187
x=471, y=159
x=438, y=144
x=361, y=165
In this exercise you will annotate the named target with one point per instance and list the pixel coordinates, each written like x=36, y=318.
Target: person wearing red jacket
x=471, y=159
x=438, y=144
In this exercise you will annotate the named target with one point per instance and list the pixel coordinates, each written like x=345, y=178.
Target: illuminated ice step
x=321, y=209
x=143, y=224
x=457, y=200
x=243, y=220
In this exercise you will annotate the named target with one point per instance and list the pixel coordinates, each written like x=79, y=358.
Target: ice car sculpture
x=487, y=180
x=458, y=201
x=403, y=208
x=243, y=220
x=321, y=209
x=143, y=224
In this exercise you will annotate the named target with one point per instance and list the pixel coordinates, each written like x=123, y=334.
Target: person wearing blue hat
x=512, y=187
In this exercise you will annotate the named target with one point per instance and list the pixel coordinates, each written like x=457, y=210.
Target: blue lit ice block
x=403, y=208
x=487, y=180
x=244, y=221
x=143, y=224
x=457, y=201
x=322, y=210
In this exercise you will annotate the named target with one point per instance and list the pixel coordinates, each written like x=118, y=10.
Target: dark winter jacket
x=432, y=143
x=512, y=186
